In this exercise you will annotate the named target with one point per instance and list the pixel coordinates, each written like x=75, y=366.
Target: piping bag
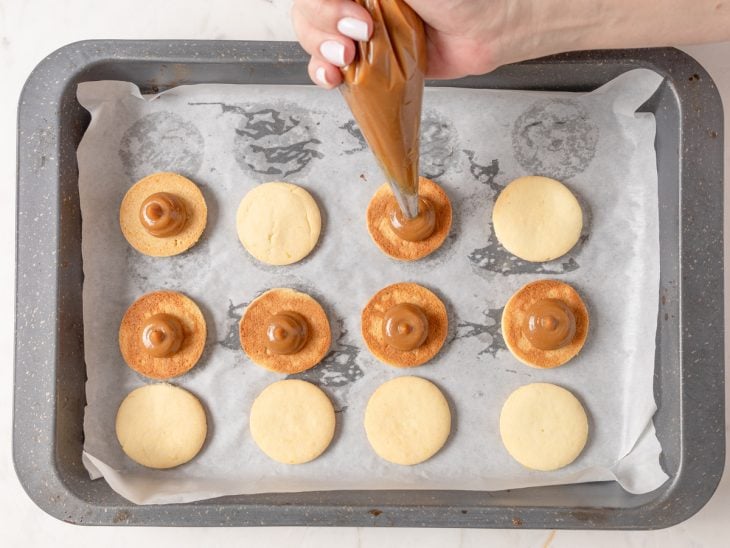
x=383, y=87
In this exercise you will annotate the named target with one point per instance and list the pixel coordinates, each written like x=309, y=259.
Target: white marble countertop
x=29, y=30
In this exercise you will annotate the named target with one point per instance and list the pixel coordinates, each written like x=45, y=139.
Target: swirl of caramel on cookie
x=417, y=229
x=163, y=215
x=549, y=324
x=405, y=326
x=162, y=335
x=286, y=333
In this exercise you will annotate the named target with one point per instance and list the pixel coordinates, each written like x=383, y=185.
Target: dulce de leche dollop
x=405, y=326
x=419, y=227
x=384, y=88
x=549, y=324
x=286, y=333
x=162, y=335
x=163, y=214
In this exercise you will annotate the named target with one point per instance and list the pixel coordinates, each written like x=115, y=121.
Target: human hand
x=476, y=36
x=463, y=37
x=327, y=30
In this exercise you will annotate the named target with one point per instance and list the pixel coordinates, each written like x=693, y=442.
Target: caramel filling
x=286, y=333
x=405, y=326
x=549, y=324
x=384, y=88
x=162, y=335
x=163, y=215
x=418, y=228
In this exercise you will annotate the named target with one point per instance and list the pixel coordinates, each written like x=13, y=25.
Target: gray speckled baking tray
x=49, y=365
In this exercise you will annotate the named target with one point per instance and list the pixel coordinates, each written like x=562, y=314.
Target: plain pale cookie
x=183, y=188
x=407, y=420
x=292, y=421
x=372, y=324
x=194, y=332
x=537, y=219
x=161, y=425
x=543, y=426
x=278, y=223
x=252, y=330
x=378, y=219
x=514, y=316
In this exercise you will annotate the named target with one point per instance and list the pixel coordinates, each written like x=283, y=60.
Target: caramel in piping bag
x=384, y=88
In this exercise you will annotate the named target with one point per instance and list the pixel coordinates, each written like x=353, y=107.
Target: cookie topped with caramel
x=163, y=214
x=162, y=335
x=410, y=239
x=285, y=331
x=545, y=324
x=404, y=325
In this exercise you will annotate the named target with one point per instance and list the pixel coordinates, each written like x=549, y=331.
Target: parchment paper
x=230, y=138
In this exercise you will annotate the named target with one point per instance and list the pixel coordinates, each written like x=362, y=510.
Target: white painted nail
x=334, y=52
x=353, y=28
x=321, y=75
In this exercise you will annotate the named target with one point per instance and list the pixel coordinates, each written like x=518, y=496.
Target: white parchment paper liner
x=229, y=138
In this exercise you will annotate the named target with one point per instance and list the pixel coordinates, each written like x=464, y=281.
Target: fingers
x=327, y=30
x=335, y=16
x=334, y=49
x=324, y=74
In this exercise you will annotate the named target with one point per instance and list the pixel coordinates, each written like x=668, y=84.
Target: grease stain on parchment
x=272, y=141
x=161, y=141
x=488, y=331
x=555, y=138
x=339, y=367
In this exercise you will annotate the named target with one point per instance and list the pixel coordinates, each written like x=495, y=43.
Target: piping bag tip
x=408, y=202
x=383, y=87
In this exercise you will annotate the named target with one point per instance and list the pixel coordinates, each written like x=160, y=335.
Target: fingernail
x=334, y=52
x=353, y=28
x=321, y=75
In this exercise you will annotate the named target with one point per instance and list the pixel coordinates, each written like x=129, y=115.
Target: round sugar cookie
x=407, y=420
x=278, y=223
x=373, y=316
x=378, y=220
x=193, y=328
x=537, y=219
x=254, y=322
x=161, y=425
x=172, y=183
x=292, y=421
x=514, y=317
x=543, y=426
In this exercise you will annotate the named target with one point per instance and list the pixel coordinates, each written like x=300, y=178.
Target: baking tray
x=49, y=364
